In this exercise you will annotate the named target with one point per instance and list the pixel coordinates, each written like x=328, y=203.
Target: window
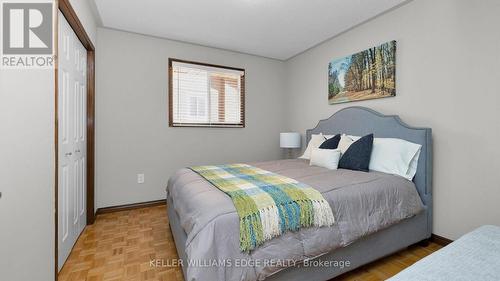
x=205, y=95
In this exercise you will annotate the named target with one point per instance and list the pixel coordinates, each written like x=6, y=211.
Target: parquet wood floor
x=119, y=246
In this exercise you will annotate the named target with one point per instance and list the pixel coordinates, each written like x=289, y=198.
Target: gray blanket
x=362, y=203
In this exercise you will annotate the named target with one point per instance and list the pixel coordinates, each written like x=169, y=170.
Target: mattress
x=475, y=256
x=362, y=203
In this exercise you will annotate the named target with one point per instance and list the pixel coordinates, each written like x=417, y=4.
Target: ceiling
x=277, y=29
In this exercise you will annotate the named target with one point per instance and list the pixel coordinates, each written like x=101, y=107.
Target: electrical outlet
x=140, y=178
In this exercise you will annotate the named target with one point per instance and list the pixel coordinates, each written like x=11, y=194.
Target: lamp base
x=289, y=153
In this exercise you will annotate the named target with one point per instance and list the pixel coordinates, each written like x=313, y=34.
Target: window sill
x=208, y=125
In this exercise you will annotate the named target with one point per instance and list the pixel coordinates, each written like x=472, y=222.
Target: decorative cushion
x=345, y=142
x=314, y=142
x=358, y=154
x=331, y=143
x=326, y=158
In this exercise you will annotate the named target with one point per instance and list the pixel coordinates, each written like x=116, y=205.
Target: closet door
x=72, y=89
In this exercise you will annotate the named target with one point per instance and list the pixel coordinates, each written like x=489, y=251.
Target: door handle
x=68, y=154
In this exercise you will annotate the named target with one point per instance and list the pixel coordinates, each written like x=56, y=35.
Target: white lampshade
x=290, y=140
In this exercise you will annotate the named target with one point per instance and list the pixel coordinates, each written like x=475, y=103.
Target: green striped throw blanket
x=268, y=204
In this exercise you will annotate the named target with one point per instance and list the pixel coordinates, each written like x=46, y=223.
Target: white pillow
x=394, y=156
x=326, y=158
x=413, y=165
x=345, y=142
x=315, y=142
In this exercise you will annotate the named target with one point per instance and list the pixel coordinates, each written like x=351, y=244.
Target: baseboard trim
x=440, y=240
x=132, y=206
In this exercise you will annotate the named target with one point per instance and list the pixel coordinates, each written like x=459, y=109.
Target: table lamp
x=289, y=141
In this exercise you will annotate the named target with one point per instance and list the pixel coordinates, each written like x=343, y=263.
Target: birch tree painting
x=369, y=74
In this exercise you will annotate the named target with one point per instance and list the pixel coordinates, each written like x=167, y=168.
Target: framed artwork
x=369, y=74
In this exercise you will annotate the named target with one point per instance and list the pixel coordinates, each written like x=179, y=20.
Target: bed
x=376, y=214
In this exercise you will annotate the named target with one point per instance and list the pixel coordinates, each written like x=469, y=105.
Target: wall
x=132, y=132
x=27, y=175
x=27, y=168
x=447, y=79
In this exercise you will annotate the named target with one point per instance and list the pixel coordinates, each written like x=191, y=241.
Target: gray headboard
x=360, y=121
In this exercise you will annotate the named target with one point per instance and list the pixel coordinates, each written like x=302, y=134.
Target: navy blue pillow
x=331, y=143
x=357, y=156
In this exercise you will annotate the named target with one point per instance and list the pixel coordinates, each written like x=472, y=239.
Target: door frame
x=69, y=13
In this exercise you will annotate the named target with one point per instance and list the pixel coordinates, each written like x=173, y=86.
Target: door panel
x=82, y=189
x=64, y=191
x=75, y=193
x=72, y=89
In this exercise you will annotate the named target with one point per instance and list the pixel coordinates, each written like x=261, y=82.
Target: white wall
x=27, y=169
x=132, y=132
x=447, y=78
x=27, y=175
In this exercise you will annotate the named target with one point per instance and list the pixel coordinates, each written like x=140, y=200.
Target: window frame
x=204, y=125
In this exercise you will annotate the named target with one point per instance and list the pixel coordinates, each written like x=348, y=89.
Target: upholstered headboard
x=360, y=121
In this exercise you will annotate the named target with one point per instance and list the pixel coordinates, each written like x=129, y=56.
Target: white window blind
x=206, y=95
